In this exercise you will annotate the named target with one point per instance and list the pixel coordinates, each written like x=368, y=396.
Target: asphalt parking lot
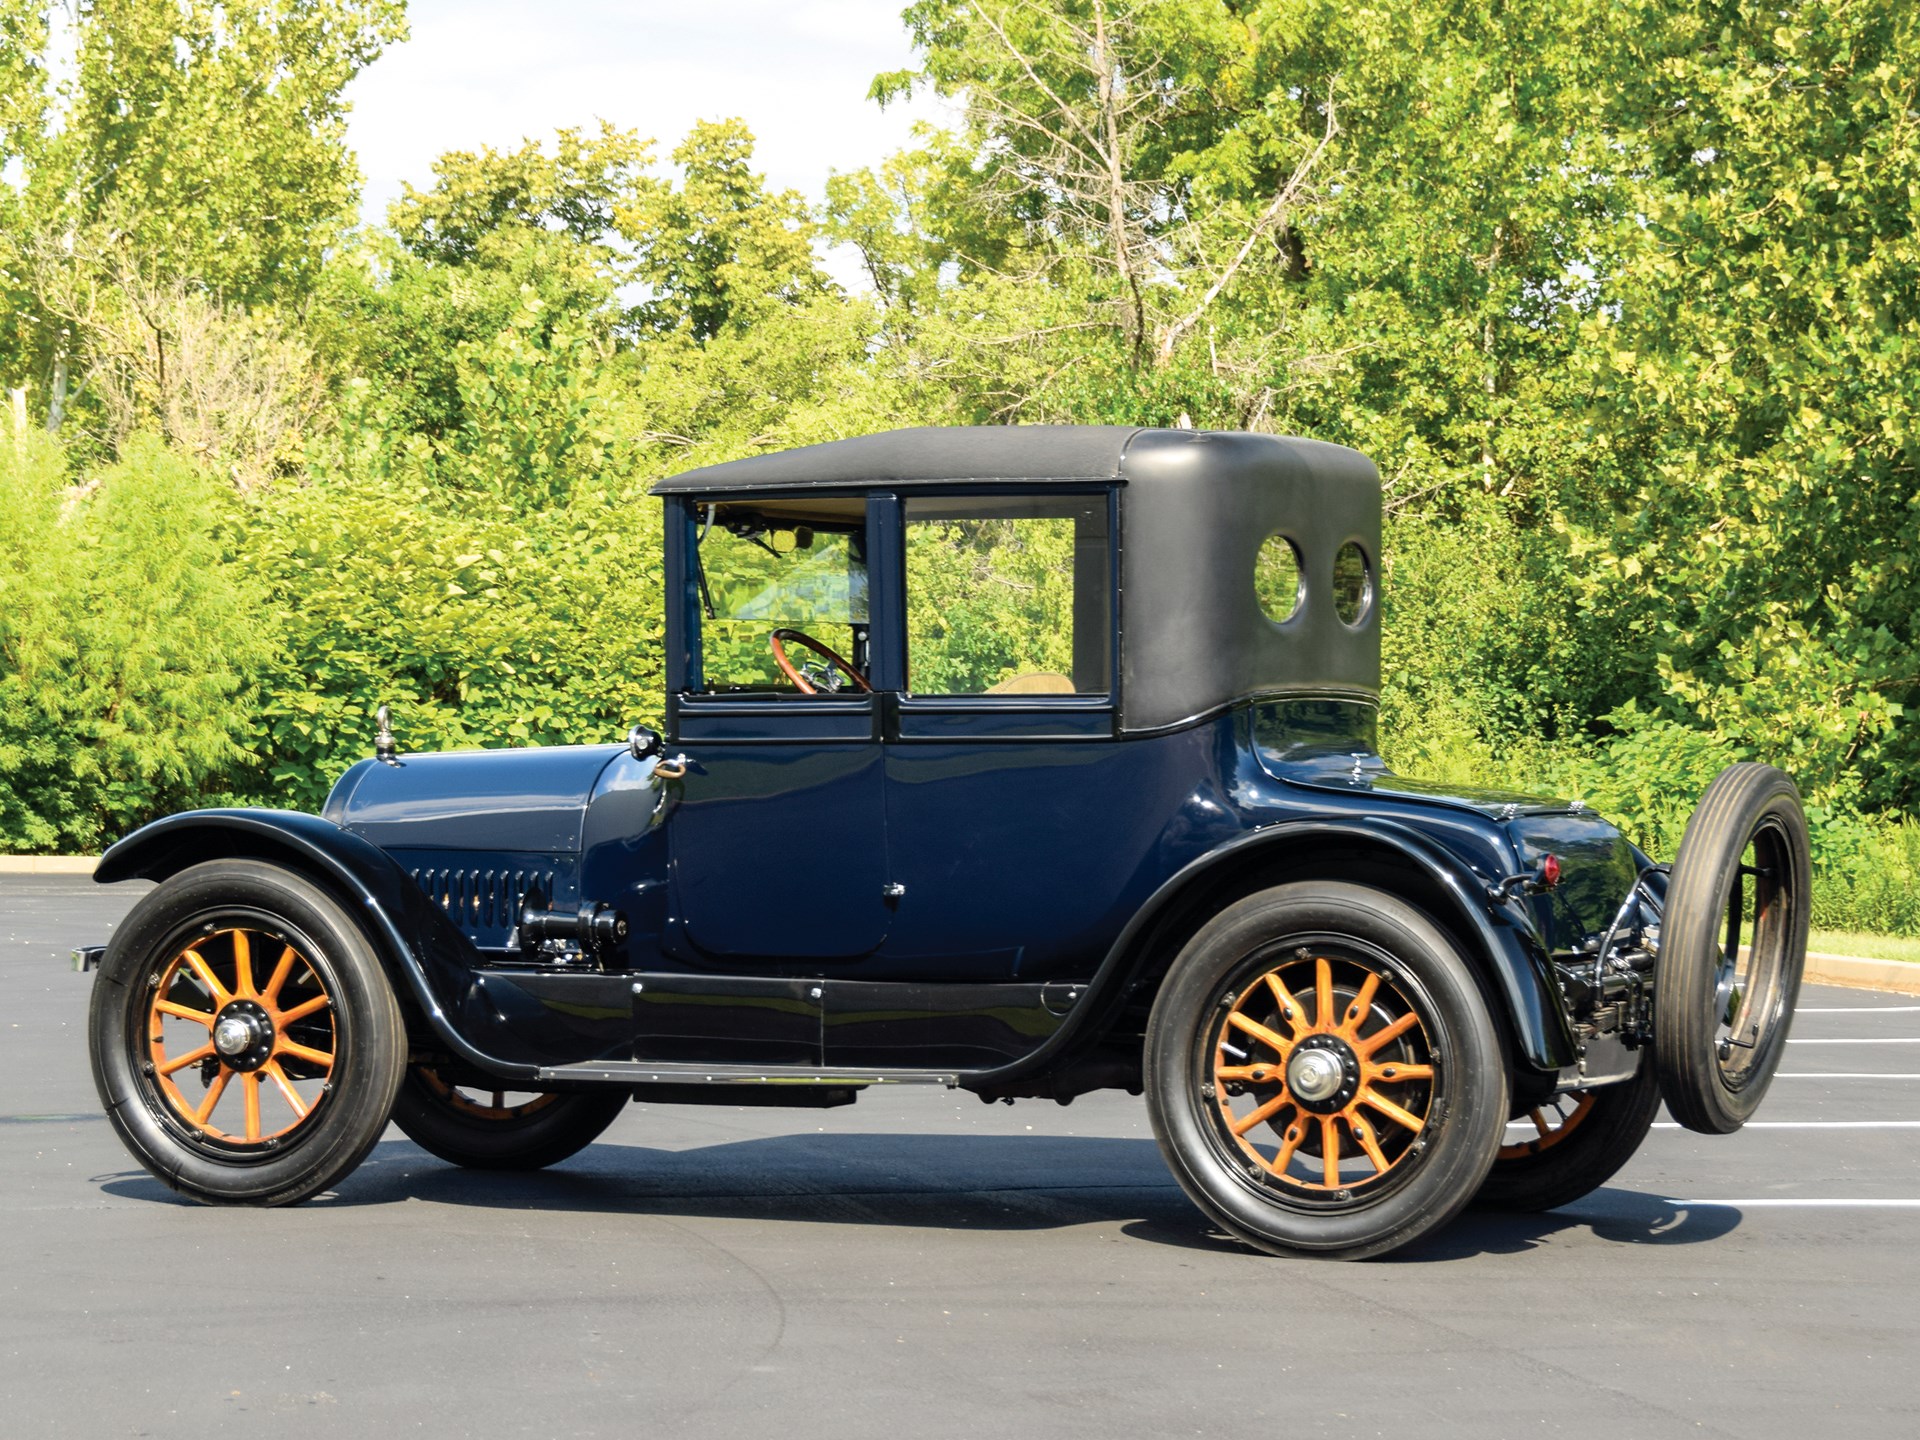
x=924, y=1265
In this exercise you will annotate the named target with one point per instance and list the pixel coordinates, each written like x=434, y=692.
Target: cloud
x=489, y=72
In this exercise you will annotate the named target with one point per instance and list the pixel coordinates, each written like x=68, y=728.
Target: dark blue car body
x=846, y=889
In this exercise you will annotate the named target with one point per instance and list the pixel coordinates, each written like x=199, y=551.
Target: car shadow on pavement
x=945, y=1182
x=1623, y=1217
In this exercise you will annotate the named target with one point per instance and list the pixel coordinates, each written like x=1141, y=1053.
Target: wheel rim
x=494, y=1109
x=1552, y=1122
x=263, y=1051
x=1324, y=1072
x=1749, y=998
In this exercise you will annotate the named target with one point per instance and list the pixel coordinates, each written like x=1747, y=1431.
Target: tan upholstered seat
x=1038, y=682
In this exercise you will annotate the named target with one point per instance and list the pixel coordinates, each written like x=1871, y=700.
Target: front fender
x=426, y=958
x=1512, y=962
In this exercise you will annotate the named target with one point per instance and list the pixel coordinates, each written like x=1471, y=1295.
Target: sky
x=490, y=72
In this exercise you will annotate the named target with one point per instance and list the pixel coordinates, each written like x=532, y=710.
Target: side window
x=1009, y=595
x=771, y=572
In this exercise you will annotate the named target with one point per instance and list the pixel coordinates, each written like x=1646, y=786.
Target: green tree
x=1754, y=525
x=211, y=139
x=720, y=250
x=195, y=142
x=588, y=189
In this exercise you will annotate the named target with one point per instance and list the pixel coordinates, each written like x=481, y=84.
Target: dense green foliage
x=124, y=644
x=1623, y=297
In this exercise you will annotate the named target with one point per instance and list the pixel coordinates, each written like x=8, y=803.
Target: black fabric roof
x=929, y=455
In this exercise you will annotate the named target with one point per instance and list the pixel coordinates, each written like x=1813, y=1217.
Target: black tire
x=1720, y=1021
x=1582, y=1142
x=322, y=1031
x=1391, y=1180
x=543, y=1130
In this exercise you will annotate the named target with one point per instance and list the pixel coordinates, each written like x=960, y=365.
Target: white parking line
x=1773, y=1202
x=1855, y=1009
x=1844, y=1075
x=1888, y=1040
x=1778, y=1125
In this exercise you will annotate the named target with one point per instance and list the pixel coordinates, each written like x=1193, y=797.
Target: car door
x=998, y=768
x=777, y=840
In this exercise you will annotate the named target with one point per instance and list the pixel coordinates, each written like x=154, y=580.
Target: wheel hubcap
x=1323, y=1073
x=243, y=1036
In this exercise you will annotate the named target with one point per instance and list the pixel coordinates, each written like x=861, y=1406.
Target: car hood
x=510, y=800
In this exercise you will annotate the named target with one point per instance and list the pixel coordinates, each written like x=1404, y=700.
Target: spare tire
x=1720, y=1016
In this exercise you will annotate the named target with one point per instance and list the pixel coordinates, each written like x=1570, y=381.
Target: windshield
x=760, y=573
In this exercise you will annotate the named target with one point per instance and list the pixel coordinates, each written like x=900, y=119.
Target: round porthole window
x=1276, y=578
x=1352, y=584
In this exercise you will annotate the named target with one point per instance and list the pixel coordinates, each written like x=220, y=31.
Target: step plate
x=639, y=1072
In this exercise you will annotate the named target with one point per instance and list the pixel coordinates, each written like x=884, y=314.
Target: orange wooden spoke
x=1363, y=1132
x=214, y=1092
x=304, y=1009
x=1552, y=1128
x=1246, y=1122
x=1386, y=1034
x=1289, y=1143
x=1289, y=1007
x=190, y=1058
x=1392, y=1111
x=1330, y=1149
x=250, y=1088
x=243, y=966
x=301, y=1052
x=1360, y=1008
x=1323, y=1016
x=221, y=995
x=1259, y=1032
x=1258, y=1074
x=1396, y=1071
x=300, y=1107
x=279, y=977
x=184, y=1012
x=499, y=1099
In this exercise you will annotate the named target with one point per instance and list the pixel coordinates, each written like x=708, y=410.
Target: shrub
x=481, y=625
x=125, y=645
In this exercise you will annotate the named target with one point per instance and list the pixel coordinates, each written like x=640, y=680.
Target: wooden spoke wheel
x=241, y=1047
x=1546, y=1125
x=243, y=1035
x=490, y=1127
x=1322, y=1073
x=1572, y=1144
x=1329, y=1088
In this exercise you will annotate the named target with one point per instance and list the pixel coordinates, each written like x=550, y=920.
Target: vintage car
x=1026, y=761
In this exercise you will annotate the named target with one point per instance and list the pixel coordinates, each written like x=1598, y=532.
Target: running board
x=640, y=1072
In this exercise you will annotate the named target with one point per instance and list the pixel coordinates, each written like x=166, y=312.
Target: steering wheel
x=806, y=679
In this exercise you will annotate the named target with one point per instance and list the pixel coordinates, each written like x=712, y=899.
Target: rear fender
x=1512, y=965
x=426, y=958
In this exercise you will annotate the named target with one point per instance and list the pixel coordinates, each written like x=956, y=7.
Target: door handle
x=673, y=769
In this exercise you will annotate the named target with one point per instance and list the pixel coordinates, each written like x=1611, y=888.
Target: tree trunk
x=1116, y=184
x=57, y=396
